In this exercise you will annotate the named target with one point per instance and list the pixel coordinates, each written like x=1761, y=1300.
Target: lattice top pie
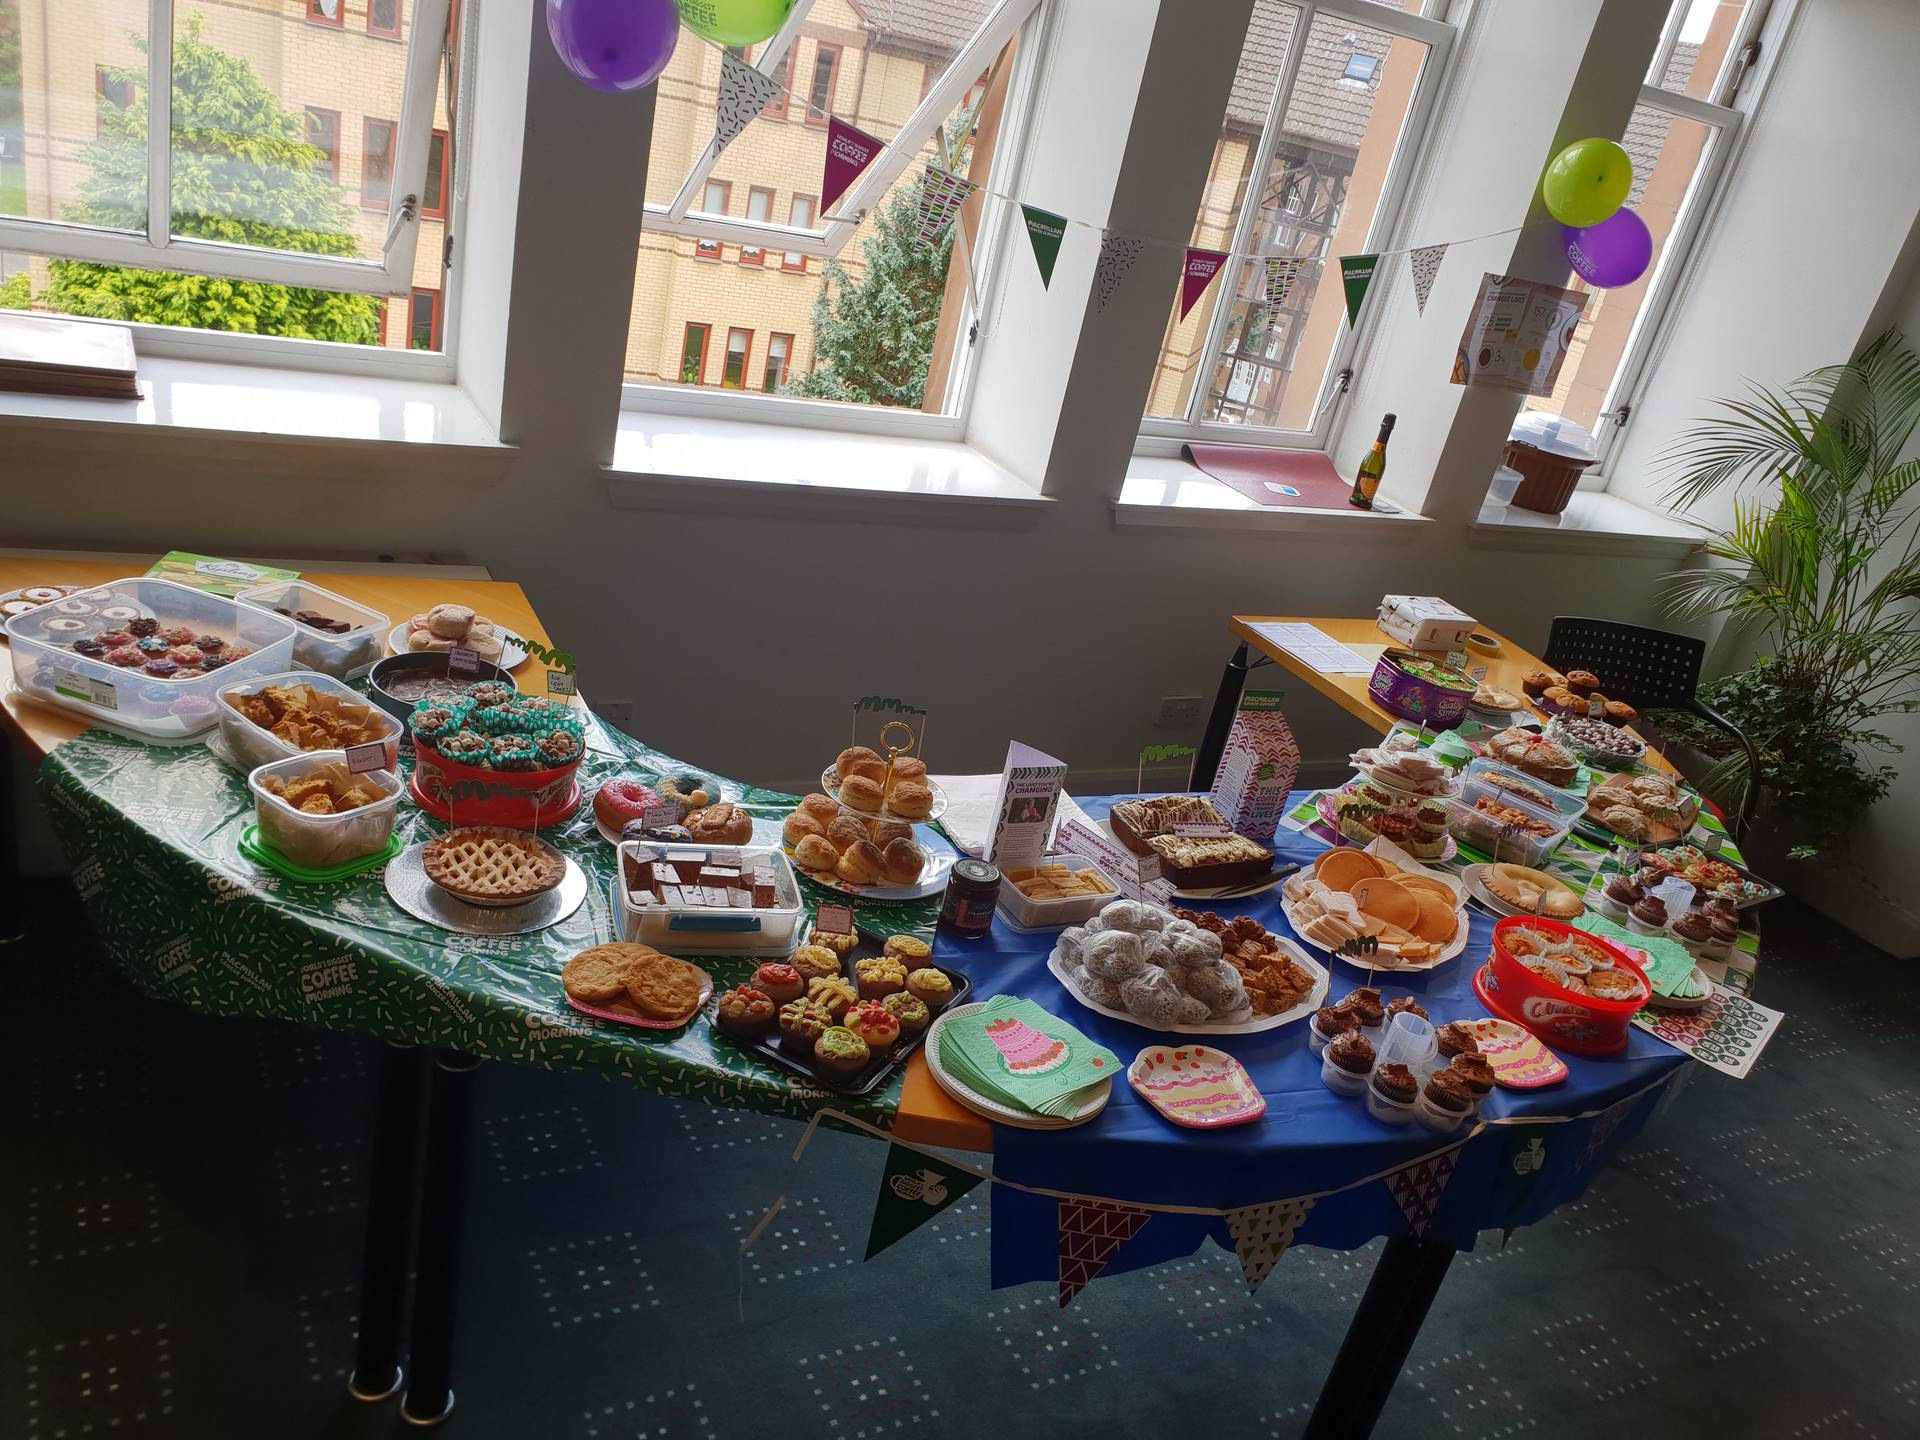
x=490, y=864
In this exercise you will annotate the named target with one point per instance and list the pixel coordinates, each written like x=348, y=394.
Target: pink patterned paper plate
x=1519, y=1060
x=621, y=1018
x=1196, y=1086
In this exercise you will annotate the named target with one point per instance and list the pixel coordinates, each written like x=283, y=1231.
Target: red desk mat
x=1258, y=472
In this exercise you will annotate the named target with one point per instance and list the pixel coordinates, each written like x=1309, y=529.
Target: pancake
x=1437, y=920
x=1344, y=867
x=1388, y=900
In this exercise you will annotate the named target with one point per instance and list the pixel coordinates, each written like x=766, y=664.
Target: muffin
x=745, y=1013
x=1396, y=1083
x=1582, y=682
x=879, y=977
x=839, y=1053
x=1536, y=682
x=814, y=961
x=1351, y=1052
x=839, y=942
x=875, y=1024
x=1455, y=1039
x=1477, y=1071
x=1613, y=985
x=1618, y=896
x=1333, y=1021
x=909, y=950
x=1693, y=930
x=930, y=986
x=1449, y=1092
x=910, y=1011
x=801, y=1023
x=1406, y=1005
x=835, y=992
x=779, y=982
x=1647, y=917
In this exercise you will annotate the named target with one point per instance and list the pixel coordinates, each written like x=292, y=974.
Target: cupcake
x=909, y=950
x=836, y=992
x=1536, y=682
x=1329, y=1023
x=910, y=1011
x=745, y=1013
x=779, y=982
x=813, y=961
x=1647, y=917
x=930, y=986
x=1693, y=930
x=839, y=942
x=1455, y=1039
x=879, y=977
x=1406, y=1005
x=1613, y=985
x=491, y=693
x=1364, y=1005
x=1618, y=896
x=1477, y=1071
x=1448, y=1095
x=1396, y=1083
x=839, y=1053
x=1726, y=931
x=875, y=1024
x=1582, y=682
x=801, y=1023
x=1345, y=1064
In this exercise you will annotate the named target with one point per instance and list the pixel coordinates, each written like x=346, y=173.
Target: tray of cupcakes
x=845, y=1009
x=1407, y=1067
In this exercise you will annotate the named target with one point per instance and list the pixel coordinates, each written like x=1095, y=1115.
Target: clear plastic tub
x=1341, y=1082
x=170, y=712
x=251, y=745
x=710, y=929
x=1565, y=801
x=320, y=842
x=1031, y=914
x=345, y=655
x=1516, y=846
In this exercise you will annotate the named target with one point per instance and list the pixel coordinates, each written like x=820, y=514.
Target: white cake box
x=1425, y=622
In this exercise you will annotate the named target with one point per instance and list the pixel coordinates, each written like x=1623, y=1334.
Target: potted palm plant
x=1821, y=567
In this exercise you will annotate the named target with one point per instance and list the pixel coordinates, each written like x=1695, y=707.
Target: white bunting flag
x=1426, y=264
x=743, y=91
x=1418, y=1188
x=1261, y=1235
x=1118, y=250
x=941, y=194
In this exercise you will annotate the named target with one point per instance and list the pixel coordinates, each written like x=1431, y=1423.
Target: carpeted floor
x=179, y=1250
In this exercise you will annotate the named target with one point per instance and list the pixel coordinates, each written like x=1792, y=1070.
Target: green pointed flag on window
x=1356, y=274
x=1046, y=230
x=913, y=1189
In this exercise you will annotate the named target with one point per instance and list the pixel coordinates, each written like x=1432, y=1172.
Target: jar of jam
x=973, y=889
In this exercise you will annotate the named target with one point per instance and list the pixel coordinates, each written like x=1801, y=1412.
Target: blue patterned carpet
x=181, y=1246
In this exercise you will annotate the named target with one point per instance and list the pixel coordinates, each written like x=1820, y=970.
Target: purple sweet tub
x=1419, y=688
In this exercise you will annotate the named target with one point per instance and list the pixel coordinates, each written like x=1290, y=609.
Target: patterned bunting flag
x=941, y=194
x=743, y=90
x=1090, y=1232
x=1202, y=266
x=1426, y=264
x=1118, y=250
x=913, y=1189
x=1356, y=274
x=1046, y=230
x=1417, y=1188
x=1261, y=1235
x=1282, y=272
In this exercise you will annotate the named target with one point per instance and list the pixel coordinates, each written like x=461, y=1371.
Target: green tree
x=16, y=291
x=873, y=337
x=244, y=173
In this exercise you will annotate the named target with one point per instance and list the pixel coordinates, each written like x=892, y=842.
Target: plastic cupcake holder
x=1441, y=1122
x=1392, y=1112
x=1341, y=1082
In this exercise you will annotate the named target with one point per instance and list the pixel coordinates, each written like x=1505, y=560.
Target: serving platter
x=621, y=1017
x=1254, y=1026
x=1472, y=878
x=1386, y=963
x=410, y=889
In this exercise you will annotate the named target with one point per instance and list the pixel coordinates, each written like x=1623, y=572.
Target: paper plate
x=1315, y=997
x=1096, y=1101
x=1193, y=1086
x=510, y=653
x=830, y=784
x=1519, y=1060
x=620, y=1017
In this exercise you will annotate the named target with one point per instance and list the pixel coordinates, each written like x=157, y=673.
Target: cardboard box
x=1425, y=622
x=1257, y=768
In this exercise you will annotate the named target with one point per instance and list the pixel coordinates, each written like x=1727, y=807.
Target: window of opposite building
x=433, y=193
x=383, y=18
x=782, y=72
x=759, y=210
x=716, y=198
x=323, y=133
x=800, y=216
x=779, y=352
x=327, y=12
x=733, y=373
x=825, y=83
x=423, y=320
x=693, y=354
x=376, y=163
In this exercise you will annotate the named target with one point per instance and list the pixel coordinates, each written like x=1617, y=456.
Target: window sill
x=1594, y=521
x=1167, y=493
x=698, y=463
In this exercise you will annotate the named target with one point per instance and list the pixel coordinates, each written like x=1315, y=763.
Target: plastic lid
x=1554, y=434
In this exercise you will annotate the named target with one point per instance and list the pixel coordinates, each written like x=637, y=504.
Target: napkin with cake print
x=1668, y=965
x=1012, y=1051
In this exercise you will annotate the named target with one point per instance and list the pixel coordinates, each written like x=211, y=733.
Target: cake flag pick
x=1425, y=263
x=941, y=194
x=743, y=91
x=1201, y=267
x=1090, y=1232
x=1282, y=272
x=849, y=151
x=1046, y=230
x=914, y=1188
x=1261, y=1235
x=1417, y=1188
x=1118, y=250
x=1356, y=274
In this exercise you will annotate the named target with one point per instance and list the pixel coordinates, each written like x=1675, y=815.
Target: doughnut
x=862, y=863
x=823, y=808
x=798, y=826
x=815, y=852
x=620, y=800
x=689, y=792
x=901, y=862
x=913, y=799
x=845, y=830
x=862, y=793
x=722, y=824
x=859, y=760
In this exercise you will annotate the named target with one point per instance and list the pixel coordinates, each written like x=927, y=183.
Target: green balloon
x=1586, y=182
x=734, y=22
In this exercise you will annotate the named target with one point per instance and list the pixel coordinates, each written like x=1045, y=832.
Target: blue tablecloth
x=1310, y=1140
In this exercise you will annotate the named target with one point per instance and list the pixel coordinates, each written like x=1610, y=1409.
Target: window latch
x=1620, y=416
x=1749, y=57
x=1345, y=379
x=973, y=333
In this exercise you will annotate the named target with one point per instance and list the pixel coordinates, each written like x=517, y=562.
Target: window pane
x=714, y=200
x=376, y=164
x=1315, y=199
x=423, y=320
x=383, y=17
x=432, y=192
x=826, y=70
x=734, y=376
x=1707, y=29
x=778, y=348
x=1668, y=153
x=693, y=355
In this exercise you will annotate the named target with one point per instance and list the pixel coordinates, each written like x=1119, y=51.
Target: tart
x=492, y=865
x=1532, y=891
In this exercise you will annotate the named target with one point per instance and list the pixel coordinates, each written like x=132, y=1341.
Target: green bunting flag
x=913, y=1189
x=1046, y=230
x=1356, y=274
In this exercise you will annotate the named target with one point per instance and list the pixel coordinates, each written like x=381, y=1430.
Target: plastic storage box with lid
x=1489, y=771
x=710, y=929
x=319, y=842
x=169, y=712
x=1514, y=844
x=344, y=654
x=1025, y=912
x=251, y=744
x=1552, y=453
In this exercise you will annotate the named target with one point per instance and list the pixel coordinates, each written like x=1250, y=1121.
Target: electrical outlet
x=617, y=713
x=1177, y=710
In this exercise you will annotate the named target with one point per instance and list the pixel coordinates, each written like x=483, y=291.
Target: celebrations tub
x=475, y=795
x=1419, y=688
x=1564, y=1019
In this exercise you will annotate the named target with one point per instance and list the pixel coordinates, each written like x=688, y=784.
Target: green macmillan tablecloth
x=152, y=835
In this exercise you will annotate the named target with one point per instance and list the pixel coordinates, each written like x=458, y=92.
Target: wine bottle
x=1366, y=480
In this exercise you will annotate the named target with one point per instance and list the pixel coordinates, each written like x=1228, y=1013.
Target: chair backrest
x=1635, y=664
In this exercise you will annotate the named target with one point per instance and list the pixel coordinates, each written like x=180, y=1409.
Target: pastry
x=813, y=961
x=930, y=986
x=912, y=799
x=906, y=768
x=801, y=1023
x=618, y=800
x=907, y=949
x=863, y=794
x=124, y=656
x=1518, y=789
x=745, y=1013
x=1582, y=682
x=1532, y=891
x=844, y=830
x=879, y=977
x=862, y=761
x=823, y=808
x=1613, y=985
x=689, y=792
x=491, y=864
x=1056, y=881
x=1558, y=700
x=779, y=982
x=1395, y=1082
x=1351, y=1052
x=1455, y=1039
x=722, y=824
x=910, y=1011
x=901, y=862
x=875, y=1024
x=835, y=992
x=1534, y=755
x=840, y=1053
x=815, y=852
x=861, y=863
x=1406, y=1005
x=884, y=832
x=798, y=826
x=1490, y=697
x=450, y=622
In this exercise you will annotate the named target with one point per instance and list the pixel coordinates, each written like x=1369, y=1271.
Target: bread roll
x=852, y=758
x=862, y=863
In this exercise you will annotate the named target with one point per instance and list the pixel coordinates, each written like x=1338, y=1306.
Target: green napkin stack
x=1013, y=1052
x=1669, y=967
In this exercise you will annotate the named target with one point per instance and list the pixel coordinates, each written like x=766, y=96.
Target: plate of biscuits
x=635, y=985
x=1378, y=908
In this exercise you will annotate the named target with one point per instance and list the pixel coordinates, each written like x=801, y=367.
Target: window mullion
x=159, y=123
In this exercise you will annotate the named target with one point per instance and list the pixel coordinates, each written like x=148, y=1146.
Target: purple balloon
x=1616, y=251
x=614, y=45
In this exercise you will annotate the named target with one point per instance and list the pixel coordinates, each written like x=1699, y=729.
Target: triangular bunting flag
x=1526, y=1158
x=1282, y=272
x=849, y=151
x=1261, y=1234
x=1202, y=266
x=1118, y=250
x=1417, y=1188
x=1356, y=274
x=1046, y=230
x=941, y=193
x=1604, y=1127
x=1090, y=1232
x=913, y=1189
x=743, y=91
x=1426, y=264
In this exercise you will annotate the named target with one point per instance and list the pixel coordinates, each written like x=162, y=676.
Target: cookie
x=600, y=974
x=662, y=987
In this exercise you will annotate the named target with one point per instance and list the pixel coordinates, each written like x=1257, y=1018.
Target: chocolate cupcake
x=1351, y=1052
x=1693, y=929
x=1365, y=1005
x=1332, y=1020
x=1406, y=1005
x=1449, y=1092
x=1477, y=1071
x=1648, y=916
x=1455, y=1039
x=1618, y=896
x=1396, y=1083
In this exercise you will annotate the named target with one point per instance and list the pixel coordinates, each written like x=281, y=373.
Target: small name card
x=658, y=817
x=463, y=663
x=834, y=919
x=560, y=682
x=363, y=758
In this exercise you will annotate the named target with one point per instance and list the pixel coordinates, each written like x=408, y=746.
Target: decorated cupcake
x=801, y=1023
x=559, y=747
x=1455, y=1039
x=879, y=977
x=813, y=961
x=1406, y=1005
x=1477, y=1071
x=875, y=1024
x=1329, y=1022
x=1647, y=916
x=1693, y=930
x=745, y=1013
x=1351, y=1052
x=836, y=992
x=463, y=746
x=1364, y=1005
x=840, y=1054
x=909, y=950
x=931, y=987
x=1613, y=985
x=150, y=645
x=1448, y=1094
x=1618, y=896
x=1396, y=1083
x=430, y=721
x=779, y=982
x=910, y=1011
x=491, y=693
x=124, y=656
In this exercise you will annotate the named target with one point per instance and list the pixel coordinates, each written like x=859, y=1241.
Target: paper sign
x=85, y=688
x=560, y=682
x=368, y=757
x=834, y=919
x=849, y=151
x=1023, y=807
x=1517, y=335
x=1257, y=767
x=1313, y=645
x=1046, y=230
x=463, y=664
x=1202, y=266
x=658, y=817
x=1200, y=827
x=1728, y=1032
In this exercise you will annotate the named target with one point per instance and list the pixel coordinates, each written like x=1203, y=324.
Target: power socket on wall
x=617, y=713
x=1177, y=711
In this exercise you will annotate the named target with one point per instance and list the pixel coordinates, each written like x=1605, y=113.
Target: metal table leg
x=1226, y=700
x=1405, y=1280
x=429, y=1397
x=400, y=1098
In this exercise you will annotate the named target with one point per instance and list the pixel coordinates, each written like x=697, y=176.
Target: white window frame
x=159, y=248
x=1164, y=435
x=841, y=224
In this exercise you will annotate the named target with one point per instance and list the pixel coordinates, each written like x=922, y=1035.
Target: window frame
x=368, y=123
x=756, y=254
x=746, y=358
x=794, y=262
x=436, y=298
x=338, y=22
x=333, y=155
x=429, y=211
x=701, y=242
x=1164, y=435
x=776, y=108
x=705, y=327
x=811, y=114
x=786, y=361
x=399, y=19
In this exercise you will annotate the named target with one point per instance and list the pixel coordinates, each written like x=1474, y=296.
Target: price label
x=658, y=817
x=560, y=682
x=85, y=688
x=834, y=919
x=463, y=664
x=1148, y=868
x=1211, y=828
x=363, y=758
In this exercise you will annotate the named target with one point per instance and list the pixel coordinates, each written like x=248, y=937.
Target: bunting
x=1356, y=274
x=1282, y=272
x=1046, y=230
x=849, y=151
x=1090, y=1232
x=1417, y=1188
x=1201, y=267
x=913, y=1189
x=1526, y=1158
x=1425, y=263
x=743, y=91
x=1118, y=250
x=941, y=194
x=1261, y=1235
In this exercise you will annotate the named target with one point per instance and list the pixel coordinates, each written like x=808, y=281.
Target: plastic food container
x=1578, y=1024
x=707, y=929
x=1393, y=1112
x=1551, y=453
x=1566, y=803
x=1475, y=827
x=251, y=745
x=170, y=712
x=1031, y=914
x=1440, y=1122
x=346, y=655
x=319, y=842
x=1341, y=1082
x=1500, y=490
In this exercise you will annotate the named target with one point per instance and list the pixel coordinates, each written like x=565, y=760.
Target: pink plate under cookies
x=1196, y=1086
x=1519, y=1060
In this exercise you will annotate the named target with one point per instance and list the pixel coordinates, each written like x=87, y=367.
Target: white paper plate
x=993, y=1109
x=510, y=653
x=1321, y=979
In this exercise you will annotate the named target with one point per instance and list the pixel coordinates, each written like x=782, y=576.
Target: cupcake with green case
x=512, y=752
x=464, y=746
x=432, y=718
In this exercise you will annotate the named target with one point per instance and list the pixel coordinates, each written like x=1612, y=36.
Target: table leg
x=443, y=1191
x=392, y=1202
x=1226, y=700
x=1405, y=1280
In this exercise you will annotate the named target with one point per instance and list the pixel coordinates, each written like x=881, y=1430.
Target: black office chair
x=1646, y=668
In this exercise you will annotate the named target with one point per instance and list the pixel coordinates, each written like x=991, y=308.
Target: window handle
x=403, y=214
